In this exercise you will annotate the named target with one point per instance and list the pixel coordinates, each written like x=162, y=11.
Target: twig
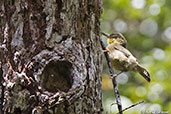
x=117, y=95
x=132, y=106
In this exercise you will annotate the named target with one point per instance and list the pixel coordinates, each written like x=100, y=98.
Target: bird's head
x=116, y=38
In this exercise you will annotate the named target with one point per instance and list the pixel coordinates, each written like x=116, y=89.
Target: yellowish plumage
x=121, y=58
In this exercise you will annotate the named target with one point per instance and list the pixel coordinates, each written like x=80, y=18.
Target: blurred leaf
x=158, y=62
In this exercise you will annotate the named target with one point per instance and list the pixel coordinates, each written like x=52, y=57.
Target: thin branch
x=116, y=91
x=132, y=106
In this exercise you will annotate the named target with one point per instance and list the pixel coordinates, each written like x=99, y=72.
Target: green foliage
x=149, y=37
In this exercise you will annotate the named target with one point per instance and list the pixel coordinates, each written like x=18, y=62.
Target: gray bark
x=50, y=56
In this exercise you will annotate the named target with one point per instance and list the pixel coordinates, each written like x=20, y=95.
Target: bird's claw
x=106, y=50
x=113, y=76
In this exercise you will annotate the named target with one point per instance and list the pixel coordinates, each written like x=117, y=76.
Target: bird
x=121, y=58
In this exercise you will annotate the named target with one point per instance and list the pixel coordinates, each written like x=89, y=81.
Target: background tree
x=50, y=56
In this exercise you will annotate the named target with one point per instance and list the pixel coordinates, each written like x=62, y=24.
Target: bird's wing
x=126, y=52
x=123, y=50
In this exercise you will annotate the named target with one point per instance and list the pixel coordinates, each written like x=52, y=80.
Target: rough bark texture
x=50, y=56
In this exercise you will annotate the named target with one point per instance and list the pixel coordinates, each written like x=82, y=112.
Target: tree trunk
x=50, y=56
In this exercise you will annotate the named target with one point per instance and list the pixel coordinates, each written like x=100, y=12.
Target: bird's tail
x=144, y=73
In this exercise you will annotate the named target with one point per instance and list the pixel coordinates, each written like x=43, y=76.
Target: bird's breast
x=115, y=54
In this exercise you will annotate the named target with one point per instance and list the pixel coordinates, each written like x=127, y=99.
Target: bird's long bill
x=107, y=36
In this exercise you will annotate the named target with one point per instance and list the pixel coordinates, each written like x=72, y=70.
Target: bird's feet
x=115, y=75
x=106, y=50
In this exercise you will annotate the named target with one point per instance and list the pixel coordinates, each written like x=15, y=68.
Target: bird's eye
x=114, y=36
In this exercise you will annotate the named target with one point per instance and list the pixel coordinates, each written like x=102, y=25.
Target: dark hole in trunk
x=57, y=76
